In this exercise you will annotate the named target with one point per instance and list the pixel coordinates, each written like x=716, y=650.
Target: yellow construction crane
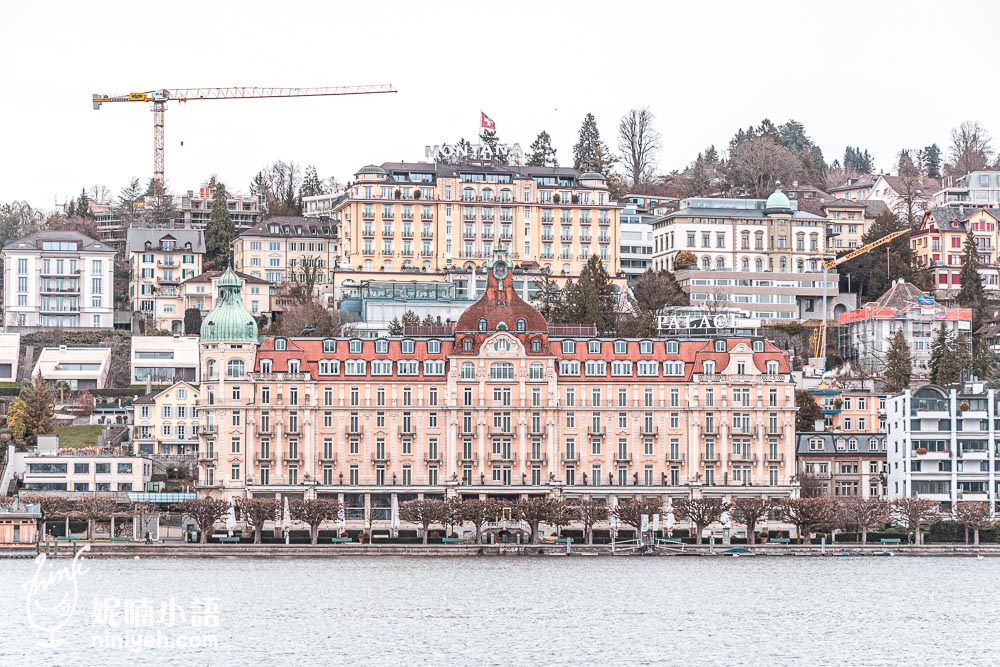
x=159, y=99
x=819, y=344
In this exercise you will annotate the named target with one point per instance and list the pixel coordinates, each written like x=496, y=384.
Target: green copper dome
x=778, y=201
x=229, y=321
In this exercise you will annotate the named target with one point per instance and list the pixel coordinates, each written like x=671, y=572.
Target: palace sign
x=686, y=322
x=459, y=152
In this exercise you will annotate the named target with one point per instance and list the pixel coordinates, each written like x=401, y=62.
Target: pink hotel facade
x=498, y=405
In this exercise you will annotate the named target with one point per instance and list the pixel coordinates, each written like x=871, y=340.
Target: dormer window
x=381, y=346
x=758, y=346
x=407, y=346
x=329, y=345
x=354, y=347
x=672, y=347
x=467, y=345
x=433, y=347
x=594, y=346
x=293, y=365
x=621, y=347
x=709, y=367
x=645, y=347
x=536, y=345
x=521, y=324
x=482, y=324
x=720, y=346
x=772, y=367
x=280, y=344
x=569, y=347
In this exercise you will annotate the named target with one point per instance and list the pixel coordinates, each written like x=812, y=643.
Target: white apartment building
x=164, y=359
x=10, y=356
x=942, y=444
x=636, y=242
x=84, y=473
x=58, y=279
x=78, y=367
x=977, y=188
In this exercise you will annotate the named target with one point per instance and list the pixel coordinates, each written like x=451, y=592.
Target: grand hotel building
x=499, y=405
x=434, y=217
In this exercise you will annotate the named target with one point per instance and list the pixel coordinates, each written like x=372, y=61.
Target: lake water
x=512, y=611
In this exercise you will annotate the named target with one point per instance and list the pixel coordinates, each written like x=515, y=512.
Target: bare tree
x=804, y=513
x=867, y=513
x=142, y=513
x=751, y=510
x=974, y=515
x=454, y=514
x=588, y=512
x=51, y=507
x=914, y=199
x=970, y=149
x=314, y=513
x=534, y=511
x=913, y=511
x=638, y=142
x=700, y=511
x=757, y=163
x=95, y=508
x=480, y=512
x=256, y=512
x=204, y=512
x=424, y=512
x=302, y=279
x=308, y=319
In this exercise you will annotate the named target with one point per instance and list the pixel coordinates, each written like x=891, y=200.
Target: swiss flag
x=487, y=122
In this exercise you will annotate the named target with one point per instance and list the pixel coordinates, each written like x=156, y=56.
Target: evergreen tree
x=427, y=321
x=871, y=275
x=972, y=295
x=542, y=153
x=220, y=231
x=37, y=400
x=985, y=362
x=931, y=161
x=808, y=411
x=490, y=138
x=128, y=201
x=192, y=321
x=395, y=327
x=595, y=297
x=83, y=206
x=711, y=155
x=898, y=365
x=410, y=319
x=950, y=355
x=858, y=161
x=311, y=184
x=590, y=153
x=162, y=212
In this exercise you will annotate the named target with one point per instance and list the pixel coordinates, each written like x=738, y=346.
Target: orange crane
x=159, y=99
x=820, y=350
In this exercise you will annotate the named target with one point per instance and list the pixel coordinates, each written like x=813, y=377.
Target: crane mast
x=160, y=97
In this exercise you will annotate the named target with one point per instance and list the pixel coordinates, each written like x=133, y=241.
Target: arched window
x=720, y=263
x=502, y=370
x=468, y=194
x=235, y=368
x=536, y=345
x=800, y=266
x=758, y=265
x=468, y=370
x=536, y=371
x=706, y=263
x=745, y=264
x=482, y=324
x=487, y=194
x=213, y=369
x=783, y=264
x=467, y=345
x=521, y=324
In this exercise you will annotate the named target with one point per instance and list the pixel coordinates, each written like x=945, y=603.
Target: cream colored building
x=284, y=251
x=430, y=217
x=167, y=421
x=160, y=259
x=200, y=293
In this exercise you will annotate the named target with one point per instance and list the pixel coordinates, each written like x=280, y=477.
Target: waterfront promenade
x=100, y=549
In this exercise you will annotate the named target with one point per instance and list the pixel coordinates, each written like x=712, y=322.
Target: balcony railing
x=572, y=457
x=278, y=377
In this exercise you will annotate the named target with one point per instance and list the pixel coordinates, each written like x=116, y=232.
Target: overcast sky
x=863, y=74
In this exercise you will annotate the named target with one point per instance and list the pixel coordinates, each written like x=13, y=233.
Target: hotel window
x=468, y=370
x=568, y=347
x=596, y=368
x=536, y=371
x=432, y=396
x=622, y=397
x=355, y=367
x=433, y=347
x=433, y=367
x=594, y=346
x=354, y=347
x=622, y=368
x=407, y=367
x=407, y=346
x=329, y=346
x=503, y=370
x=381, y=346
